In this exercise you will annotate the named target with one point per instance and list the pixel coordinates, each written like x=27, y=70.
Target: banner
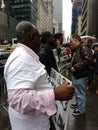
x=60, y=119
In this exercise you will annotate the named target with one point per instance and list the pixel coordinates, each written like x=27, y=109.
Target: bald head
x=27, y=34
x=23, y=30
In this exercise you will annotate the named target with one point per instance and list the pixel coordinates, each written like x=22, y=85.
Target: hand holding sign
x=64, y=92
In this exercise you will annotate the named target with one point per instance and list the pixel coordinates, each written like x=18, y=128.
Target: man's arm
x=28, y=101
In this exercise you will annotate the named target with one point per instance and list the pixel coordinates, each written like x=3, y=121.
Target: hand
x=64, y=92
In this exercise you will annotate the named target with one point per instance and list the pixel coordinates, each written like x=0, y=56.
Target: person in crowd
x=59, y=42
x=58, y=39
x=81, y=60
x=45, y=53
x=91, y=74
x=30, y=94
x=95, y=48
x=46, y=56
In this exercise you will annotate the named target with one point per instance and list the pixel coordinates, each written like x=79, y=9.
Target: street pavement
x=89, y=121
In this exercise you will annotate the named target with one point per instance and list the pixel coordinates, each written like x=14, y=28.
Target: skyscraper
x=25, y=10
x=7, y=22
x=76, y=11
x=57, y=13
x=90, y=18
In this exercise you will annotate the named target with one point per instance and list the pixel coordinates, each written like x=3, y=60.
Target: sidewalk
x=4, y=120
x=88, y=121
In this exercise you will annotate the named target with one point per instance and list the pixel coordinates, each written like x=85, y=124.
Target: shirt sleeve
x=32, y=102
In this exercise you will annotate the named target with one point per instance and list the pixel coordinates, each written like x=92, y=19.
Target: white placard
x=62, y=60
x=60, y=119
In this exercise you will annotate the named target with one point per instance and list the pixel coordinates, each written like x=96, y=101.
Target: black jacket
x=47, y=58
x=96, y=62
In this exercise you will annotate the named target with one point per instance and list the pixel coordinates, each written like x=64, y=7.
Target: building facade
x=76, y=11
x=42, y=20
x=7, y=22
x=25, y=10
x=90, y=18
x=45, y=15
x=38, y=12
x=57, y=13
x=55, y=26
x=50, y=15
x=79, y=25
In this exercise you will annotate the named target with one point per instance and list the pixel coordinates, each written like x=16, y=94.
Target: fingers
x=72, y=87
x=66, y=83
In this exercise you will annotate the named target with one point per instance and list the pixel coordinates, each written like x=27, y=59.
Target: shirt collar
x=29, y=50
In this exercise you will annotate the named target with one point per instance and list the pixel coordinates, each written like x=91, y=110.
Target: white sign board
x=61, y=60
x=60, y=119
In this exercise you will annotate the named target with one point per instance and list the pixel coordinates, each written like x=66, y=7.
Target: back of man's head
x=44, y=36
x=23, y=31
x=58, y=35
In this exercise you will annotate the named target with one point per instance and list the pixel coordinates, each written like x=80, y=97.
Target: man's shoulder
x=85, y=47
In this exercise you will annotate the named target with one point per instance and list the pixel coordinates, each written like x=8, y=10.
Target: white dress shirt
x=30, y=94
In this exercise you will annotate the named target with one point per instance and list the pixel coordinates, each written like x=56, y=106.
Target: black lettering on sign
x=64, y=105
x=59, y=80
x=55, y=52
x=53, y=74
x=59, y=120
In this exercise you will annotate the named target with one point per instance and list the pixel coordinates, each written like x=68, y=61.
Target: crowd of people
x=31, y=96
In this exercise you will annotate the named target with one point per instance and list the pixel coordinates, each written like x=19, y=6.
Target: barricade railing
x=3, y=89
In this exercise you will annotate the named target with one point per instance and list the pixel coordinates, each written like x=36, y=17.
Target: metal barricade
x=3, y=91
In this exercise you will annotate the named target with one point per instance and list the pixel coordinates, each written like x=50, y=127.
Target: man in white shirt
x=30, y=94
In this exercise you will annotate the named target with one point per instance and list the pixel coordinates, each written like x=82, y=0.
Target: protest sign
x=62, y=59
x=60, y=119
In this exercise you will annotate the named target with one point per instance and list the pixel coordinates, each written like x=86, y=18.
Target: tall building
x=25, y=10
x=50, y=15
x=79, y=25
x=76, y=11
x=38, y=12
x=90, y=18
x=42, y=16
x=57, y=13
x=7, y=22
x=45, y=15
x=55, y=26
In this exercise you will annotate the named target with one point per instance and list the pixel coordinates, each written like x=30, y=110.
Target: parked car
x=10, y=49
x=4, y=54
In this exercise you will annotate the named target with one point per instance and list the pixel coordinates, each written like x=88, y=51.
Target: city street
x=88, y=121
